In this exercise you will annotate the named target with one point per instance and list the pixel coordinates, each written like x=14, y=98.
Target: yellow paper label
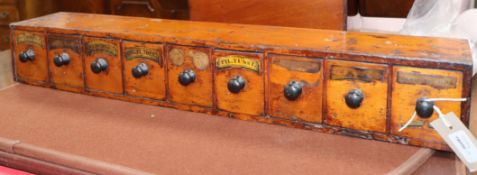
x=101, y=47
x=238, y=61
x=31, y=39
x=142, y=52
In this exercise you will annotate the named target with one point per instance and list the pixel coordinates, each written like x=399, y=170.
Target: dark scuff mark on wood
x=378, y=36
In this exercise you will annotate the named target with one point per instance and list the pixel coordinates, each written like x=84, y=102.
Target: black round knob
x=187, y=77
x=61, y=59
x=424, y=109
x=293, y=90
x=99, y=65
x=236, y=84
x=354, y=98
x=140, y=70
x=28, y=55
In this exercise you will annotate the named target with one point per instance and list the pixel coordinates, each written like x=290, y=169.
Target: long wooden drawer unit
x=358, y=84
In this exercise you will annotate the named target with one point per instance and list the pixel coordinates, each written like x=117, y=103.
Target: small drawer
x=356, y=95
x=102, y=65
x=296, y=88
x=144, y=72
x=410, y=84
x=30, y=57
x=239, y=82
x=65, y=62
x=190, y=75
x=8, y=14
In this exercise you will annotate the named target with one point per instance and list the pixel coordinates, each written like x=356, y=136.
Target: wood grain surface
x=197, y=59
x=318, y=14
x=371, y=115
x=110, y=80
x=250, y=100
x=404, y=96
x=70, y=76
x=34, y=71
x=381, y=48
x=309, y=72
x=268, y=58
x=152, y=85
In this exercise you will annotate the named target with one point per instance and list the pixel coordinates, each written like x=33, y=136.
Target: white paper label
x=464, y=145
x=459, y=139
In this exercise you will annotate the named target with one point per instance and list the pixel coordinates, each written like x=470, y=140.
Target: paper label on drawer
x=309, y=66
x=64, y=43
x=459, y=139
x=356, y=73
x=101, y=47
x=176, y=56
x=143, y=52
x=200, y=59
x=31, y=39
x=435, y=81
x=238, y=61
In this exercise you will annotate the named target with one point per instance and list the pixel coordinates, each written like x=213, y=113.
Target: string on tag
x=438, y=111
x=441, y=116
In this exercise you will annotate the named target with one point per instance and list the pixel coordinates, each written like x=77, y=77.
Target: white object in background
x=443, y=18
x=433, y=17
x=374, y=24
x=466, y=24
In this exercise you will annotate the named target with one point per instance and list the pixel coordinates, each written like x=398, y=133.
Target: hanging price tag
x=459, y=139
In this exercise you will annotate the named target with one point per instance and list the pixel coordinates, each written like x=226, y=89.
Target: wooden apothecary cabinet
x=360, y=84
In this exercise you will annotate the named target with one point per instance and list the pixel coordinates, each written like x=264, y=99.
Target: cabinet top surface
x=382, y=47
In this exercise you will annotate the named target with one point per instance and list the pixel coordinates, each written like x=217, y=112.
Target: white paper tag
x=464, y=145
x=459, y=139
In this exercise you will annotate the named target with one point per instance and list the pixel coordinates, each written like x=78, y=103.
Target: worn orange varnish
x=150, y=84
x=67, y=75
x=371, y=80
x=249, y=67
x=306, y=71
x=110, y=79
x=360, y=84
x=194, y=60
x=33, y=69
x=438, y=84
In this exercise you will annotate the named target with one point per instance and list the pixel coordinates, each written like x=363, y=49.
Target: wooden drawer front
x=410, y=84
x=240, y=68
x=102, y=56
x=144, y=72
x=354, y=80
x=65, y=62
x=30, y=57
x=193, y=66
x=8, y=14
x=302, y=81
